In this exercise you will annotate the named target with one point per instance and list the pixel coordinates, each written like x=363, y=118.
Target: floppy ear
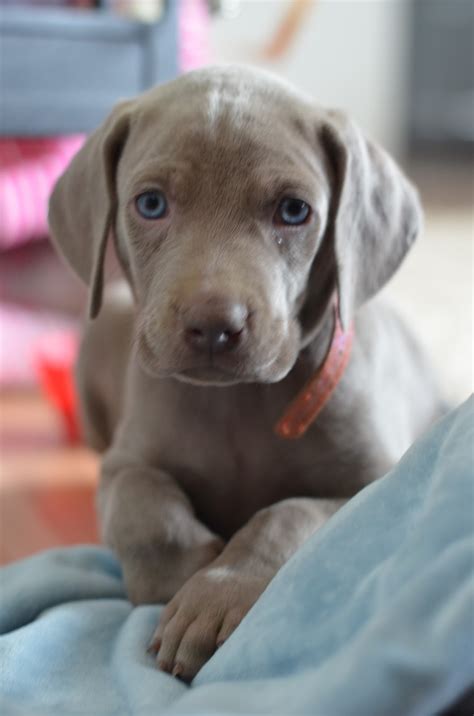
x=83, y=204
x=375, y=214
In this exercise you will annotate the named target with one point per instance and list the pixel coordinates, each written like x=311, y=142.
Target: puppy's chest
x=230, y=462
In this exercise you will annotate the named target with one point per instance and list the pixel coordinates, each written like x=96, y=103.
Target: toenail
x=154, y=646
x=177, y=670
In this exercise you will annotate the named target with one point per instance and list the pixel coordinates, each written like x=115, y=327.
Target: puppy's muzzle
x=214, y=323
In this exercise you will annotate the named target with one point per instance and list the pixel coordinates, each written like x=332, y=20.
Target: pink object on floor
x=21, y=329
x=28, y=171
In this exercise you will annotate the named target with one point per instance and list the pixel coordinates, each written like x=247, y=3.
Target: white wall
x=350, y=54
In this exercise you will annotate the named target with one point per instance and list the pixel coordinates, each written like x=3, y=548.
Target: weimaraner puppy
x=249, y=388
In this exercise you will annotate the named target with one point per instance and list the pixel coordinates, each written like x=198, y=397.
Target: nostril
x=196, y=332
x=196, y=337
x=228, y=339
x=223, y=336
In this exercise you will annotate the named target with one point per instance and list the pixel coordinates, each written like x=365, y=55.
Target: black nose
x=215, y=324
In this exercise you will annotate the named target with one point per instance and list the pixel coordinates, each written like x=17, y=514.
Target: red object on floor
x=55, y=360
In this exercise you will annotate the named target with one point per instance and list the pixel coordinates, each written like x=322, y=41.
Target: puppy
x=250, y=387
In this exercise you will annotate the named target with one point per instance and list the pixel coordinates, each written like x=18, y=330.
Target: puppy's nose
x=215, y=324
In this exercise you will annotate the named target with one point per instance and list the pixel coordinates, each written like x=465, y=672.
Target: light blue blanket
x=374, y=616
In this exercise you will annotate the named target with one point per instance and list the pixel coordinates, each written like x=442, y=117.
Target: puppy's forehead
x=223, y=105
x=242, y=98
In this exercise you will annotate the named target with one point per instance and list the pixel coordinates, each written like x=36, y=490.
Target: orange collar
x=307, y=405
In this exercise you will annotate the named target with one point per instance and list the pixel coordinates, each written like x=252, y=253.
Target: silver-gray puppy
x=242, y=215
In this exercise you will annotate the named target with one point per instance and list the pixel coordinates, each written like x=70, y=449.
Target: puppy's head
x=238, y=209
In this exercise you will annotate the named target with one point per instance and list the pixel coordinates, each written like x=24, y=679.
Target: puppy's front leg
x=214, y=601
x=149, y=522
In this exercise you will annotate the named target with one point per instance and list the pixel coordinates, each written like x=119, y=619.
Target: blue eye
x=292, y=212
x=151, y=205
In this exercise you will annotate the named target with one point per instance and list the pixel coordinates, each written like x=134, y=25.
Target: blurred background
x=402, y=68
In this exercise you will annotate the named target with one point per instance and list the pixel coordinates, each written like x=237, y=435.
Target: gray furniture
x=61, y=70
x=442, y=80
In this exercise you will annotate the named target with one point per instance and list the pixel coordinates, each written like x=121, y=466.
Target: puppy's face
x=222, y=206
x=238, y=208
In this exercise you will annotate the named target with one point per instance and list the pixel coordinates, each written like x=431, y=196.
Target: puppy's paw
x=201, y=616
